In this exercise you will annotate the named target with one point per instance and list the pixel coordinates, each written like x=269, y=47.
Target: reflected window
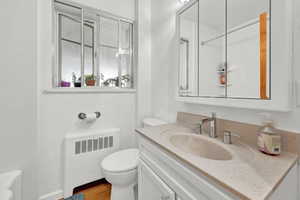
x=93, y=49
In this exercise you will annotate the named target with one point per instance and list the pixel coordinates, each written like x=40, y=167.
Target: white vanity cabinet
x=151, y=186
x=163, y=176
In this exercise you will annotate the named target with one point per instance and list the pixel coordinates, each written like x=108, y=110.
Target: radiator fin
x=94, y=144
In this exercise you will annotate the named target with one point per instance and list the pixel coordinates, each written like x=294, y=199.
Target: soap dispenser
x=269, y=140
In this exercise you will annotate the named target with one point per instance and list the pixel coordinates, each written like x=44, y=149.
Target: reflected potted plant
x=65, y=84
x=90, y=80
x=76, y=82
x=111, y=82
x=125, y=80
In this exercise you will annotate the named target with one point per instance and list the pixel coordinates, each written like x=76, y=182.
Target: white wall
x=143, y=38
x=297, y=39
x=163, y=54
x=58, y=112
x=164, y=74
x=18, y=137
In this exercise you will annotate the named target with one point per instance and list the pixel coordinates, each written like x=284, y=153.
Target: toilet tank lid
x=153, y=122
x=6, y=194
x=7, y=179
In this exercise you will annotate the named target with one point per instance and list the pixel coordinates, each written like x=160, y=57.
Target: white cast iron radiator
x=83, y=155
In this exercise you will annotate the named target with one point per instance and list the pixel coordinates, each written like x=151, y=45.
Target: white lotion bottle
x=268, y=138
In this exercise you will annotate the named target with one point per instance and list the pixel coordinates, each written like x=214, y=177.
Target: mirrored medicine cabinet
x=224, y=49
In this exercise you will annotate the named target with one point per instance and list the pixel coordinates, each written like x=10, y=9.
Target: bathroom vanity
x=178, y=164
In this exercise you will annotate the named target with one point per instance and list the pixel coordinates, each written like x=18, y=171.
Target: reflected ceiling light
x=184, y=1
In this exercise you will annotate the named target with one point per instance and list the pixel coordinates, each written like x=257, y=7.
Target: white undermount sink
x=200, y=147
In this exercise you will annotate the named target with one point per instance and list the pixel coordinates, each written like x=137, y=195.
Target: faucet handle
x=199, y=126
x=228, y=137
x=213, y=114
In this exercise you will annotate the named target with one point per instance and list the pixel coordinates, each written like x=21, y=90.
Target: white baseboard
x=53, y=195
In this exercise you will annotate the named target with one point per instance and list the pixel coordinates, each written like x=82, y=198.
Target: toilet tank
x=10, y=185
x=149, y=122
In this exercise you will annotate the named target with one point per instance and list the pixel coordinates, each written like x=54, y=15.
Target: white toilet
x=120, y=169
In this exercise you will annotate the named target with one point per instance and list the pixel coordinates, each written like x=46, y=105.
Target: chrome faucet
x=212, y=125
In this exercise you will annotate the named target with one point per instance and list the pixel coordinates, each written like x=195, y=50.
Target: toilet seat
x=121, y=161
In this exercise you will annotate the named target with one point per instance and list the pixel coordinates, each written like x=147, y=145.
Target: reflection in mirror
x=212, y=55
x=108, y=60
x=92, y=48
x=115, y=59
x=248, y=49
x=125, y=54
x=90, y=31
x=70, y=49
x=234, y=49
x=184, y=65
x=109, y=32
x=69, y=44
x=188, y=51
x=109, y=67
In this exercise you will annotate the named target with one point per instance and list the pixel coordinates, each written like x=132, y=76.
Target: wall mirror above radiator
x=93, y=48
x=225, y=50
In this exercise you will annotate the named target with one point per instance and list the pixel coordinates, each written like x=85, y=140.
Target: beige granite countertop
x=250, y=174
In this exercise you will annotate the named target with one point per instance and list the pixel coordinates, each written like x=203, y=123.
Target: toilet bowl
x=120, y=169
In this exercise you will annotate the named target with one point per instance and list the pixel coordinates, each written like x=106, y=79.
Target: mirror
x=212, y=47
x=93, y=48
x=247, y=49
x=233, y=51
x=68, y=28
x=188, y=51
x=90, y=38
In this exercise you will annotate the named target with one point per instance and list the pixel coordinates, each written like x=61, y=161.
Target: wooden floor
x=98, y=192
